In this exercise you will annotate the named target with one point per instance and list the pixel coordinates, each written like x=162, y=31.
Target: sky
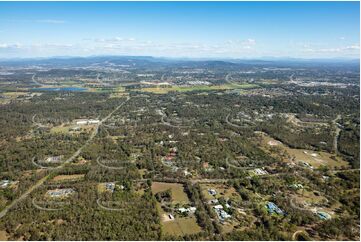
x=180, y=29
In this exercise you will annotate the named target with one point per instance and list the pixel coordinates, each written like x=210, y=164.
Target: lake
x=60, y=89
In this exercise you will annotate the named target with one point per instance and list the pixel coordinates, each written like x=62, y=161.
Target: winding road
x=295, y=234
x=171, y=125
x=46, y=209
x=106, y=208
x=234, y=125
x=38, y=124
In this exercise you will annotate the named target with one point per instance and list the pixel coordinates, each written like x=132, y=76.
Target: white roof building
x=219, y=206
x=212, y=192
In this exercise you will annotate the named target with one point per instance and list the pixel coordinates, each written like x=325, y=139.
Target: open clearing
x=60, y=129
x=68, y=177
x=181, y=226
x=310, y=197
x=178, y=194
x=65, y=129
x=3, y=235
x=14, y=94
x=6, y=97
x=314, y=158
x=314, y=201
x=101, y=187
x=178, y=225
x=222, y=191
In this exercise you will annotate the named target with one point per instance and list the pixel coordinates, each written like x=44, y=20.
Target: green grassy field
x=163, y=90
x=178, y=226
x=181, y=226
x=60, y=129
x=178, y=195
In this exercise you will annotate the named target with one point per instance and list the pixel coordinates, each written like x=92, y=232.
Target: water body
x=60, y=89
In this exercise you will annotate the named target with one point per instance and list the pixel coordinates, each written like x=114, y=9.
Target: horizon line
x=263, y=58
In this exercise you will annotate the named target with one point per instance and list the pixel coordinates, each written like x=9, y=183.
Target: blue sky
x=180, y=29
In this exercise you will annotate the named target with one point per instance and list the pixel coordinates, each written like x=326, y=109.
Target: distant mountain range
x=150, y=61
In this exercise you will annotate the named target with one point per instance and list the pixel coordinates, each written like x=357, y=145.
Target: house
x=219, y=206
x=187, y=210
x=170, y=216
x=7, y=183
x=60, y=192
x=183, y=210
x=323, y=215
x=212, y=192
x=93, y=121
x=87, y=121
x=213, y=201
x=186, y=173
x=306, y=164
x=325, y=177
x=192, y=209
x=272, y=208
x=81, y=122
x=222, y=215
x=260, y=172
x=109, y=186
x=4, y=183
x=297, y=186
x=54, y=159
x=76, y=128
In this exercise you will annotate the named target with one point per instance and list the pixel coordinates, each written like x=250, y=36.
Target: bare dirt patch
x=68, y=177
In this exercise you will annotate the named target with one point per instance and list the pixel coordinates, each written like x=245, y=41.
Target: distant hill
x=149, y=61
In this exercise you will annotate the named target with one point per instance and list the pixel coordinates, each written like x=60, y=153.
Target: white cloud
x=352, y=50
x=9, y=46
x=352, y=47
x=51, y=21
x=250, y=41
x=130, y=46
x=113, y=40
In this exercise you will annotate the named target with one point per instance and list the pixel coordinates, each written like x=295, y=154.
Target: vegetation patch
x=177, y=191
x=314, y=158
x=181, y=226
x=74, y=177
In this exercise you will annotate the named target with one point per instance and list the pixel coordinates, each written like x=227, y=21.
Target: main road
x=70, y=159
x=35, y=81
x=337, y=133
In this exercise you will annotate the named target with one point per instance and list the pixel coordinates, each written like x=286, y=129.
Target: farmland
x=164, y=90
